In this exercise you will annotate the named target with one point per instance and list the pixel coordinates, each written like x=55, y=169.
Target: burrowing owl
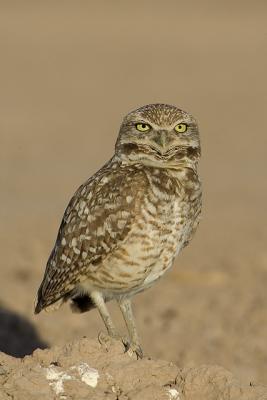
x=124, y=226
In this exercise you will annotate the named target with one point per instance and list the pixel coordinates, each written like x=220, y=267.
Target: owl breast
x=160, y=229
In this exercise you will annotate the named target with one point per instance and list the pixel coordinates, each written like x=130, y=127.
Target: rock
x=84, y=369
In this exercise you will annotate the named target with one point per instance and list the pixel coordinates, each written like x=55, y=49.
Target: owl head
x=159, y=135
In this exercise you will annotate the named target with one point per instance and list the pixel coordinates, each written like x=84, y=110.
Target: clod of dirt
x=85, y=370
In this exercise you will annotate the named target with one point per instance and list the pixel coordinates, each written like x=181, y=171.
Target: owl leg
x=99, y=302
x=125, y=305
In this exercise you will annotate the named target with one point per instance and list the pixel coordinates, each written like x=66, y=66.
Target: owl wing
x=97, y=219
x=194, y=214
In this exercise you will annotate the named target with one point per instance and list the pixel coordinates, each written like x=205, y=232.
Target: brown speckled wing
x=97, y=219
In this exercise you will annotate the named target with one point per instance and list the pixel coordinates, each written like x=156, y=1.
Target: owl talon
x=126, y=345
x=105, y=340
x=135, y=349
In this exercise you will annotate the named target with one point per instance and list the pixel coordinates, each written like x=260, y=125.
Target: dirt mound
x=85, y=369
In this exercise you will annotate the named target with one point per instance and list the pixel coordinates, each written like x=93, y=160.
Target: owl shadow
x=18, y=336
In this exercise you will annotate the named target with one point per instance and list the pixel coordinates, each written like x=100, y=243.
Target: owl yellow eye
x=181, y=128
x=143, y=127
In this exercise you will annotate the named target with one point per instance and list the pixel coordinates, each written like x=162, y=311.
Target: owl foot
x=129, y=348
x=135, y=348
x=105, y=340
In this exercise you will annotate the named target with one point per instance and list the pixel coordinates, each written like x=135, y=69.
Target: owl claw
x=135, y=349
x=126, y=344
x=105, y=339
x=129, y=348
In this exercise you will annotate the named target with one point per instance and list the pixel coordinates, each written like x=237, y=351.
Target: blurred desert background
x=70, y=70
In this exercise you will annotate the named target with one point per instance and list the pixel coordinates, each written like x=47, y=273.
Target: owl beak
x=160, y=140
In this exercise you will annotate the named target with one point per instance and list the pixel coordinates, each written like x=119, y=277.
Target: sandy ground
x=69, y=72
x=85, y=370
